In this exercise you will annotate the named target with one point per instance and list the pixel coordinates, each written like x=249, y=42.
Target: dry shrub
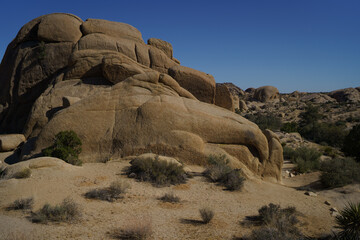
x=206, y=215
x=276, y=224
x=25, y=173
x=22, y=204
x=67, y=211
x=111, y=193
x=161, y=173
x=220, y=172
x=170, y=197
x=139, y=228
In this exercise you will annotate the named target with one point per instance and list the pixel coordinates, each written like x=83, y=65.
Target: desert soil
x=169, y=220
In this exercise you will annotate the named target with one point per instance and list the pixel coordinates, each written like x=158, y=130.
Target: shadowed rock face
x=123, y=97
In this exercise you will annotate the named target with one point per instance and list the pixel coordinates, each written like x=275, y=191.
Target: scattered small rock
x=333, y=209
x=311, y=194
x=291, y=175
x=327, y=203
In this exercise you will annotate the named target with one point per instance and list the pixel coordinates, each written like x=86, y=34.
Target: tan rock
x=200, y=84
x=113, y=29
x=68, y=101
x=143, y=113
x=59, y=28
x=242, y=106
x=51, y=101
x=9, y=142
x=36, y=163
x=29, y=32
x=159, y=61
x=223, y=97
x=266, y=93
x=164, y=46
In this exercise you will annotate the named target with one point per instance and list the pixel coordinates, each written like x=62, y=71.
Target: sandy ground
x=141, y=204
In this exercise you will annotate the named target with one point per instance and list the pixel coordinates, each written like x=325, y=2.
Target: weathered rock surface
x=164, y=46
x=123, y=98
x=35, y=163
x=223, y=97
x=9, y=142
x=242, y=106
x=200, y=84
x=266, y=93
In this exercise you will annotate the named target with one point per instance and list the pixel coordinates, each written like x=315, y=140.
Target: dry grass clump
x=135, y=229
x=111, y=193
x=25, y=173
x=22, y=204
x=220, y=172
x=206, y=215
x=170, y=197
x=67, y=211
x=161, y=173
x=276, y=224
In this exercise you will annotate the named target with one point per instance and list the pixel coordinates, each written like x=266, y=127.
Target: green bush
x=307, y=159
x=265, y=121
x=351, y=145
x=349, y=222
x=206, y=215
x=67, y=147
x=339, y=172
x=220, y=172
x=161, y=173
x=111, y=193
x=290, y=127
x=67, y=211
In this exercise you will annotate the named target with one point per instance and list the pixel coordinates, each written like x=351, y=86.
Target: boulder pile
x=123, y=97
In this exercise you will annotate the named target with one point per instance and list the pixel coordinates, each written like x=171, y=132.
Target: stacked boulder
x=122, y=97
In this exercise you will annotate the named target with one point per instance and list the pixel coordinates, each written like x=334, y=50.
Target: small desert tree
x=67, y=146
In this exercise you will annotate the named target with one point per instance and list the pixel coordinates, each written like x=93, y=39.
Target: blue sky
x=305, y=45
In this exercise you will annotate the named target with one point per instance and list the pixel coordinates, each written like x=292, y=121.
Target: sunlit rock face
x=122, y=97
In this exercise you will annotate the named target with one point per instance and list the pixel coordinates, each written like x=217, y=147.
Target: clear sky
x=305, y=45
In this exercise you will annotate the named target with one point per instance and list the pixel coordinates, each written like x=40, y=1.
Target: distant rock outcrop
x=266, y=93
x=122, y=97
x=346, y=95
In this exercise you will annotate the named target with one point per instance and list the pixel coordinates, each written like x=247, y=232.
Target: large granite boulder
x=9, y=142
x=266, y=93
x=224, y=98
x=200, y=84
x=150, y=112
x=122, y=97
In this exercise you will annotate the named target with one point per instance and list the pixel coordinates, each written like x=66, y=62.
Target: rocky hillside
x=123, y=97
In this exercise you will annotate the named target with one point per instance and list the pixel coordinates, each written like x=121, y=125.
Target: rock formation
x=346, y=95
x=122, y=97
x=266, y=93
